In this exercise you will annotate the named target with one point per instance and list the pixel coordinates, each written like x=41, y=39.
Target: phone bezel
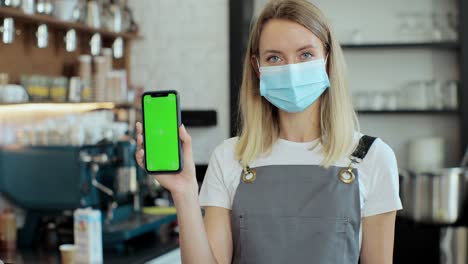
x=164, y=93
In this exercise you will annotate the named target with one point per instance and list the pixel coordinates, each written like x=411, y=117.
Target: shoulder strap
x=363, y=147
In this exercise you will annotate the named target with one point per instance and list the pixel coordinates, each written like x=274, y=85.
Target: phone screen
x=161, y=132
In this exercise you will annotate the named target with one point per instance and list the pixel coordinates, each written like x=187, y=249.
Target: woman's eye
x=306, y=55
x=274, y=59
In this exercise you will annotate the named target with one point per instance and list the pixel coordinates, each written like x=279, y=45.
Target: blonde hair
x=259, y=119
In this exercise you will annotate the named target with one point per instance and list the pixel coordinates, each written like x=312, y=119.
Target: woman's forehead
x=285, y=35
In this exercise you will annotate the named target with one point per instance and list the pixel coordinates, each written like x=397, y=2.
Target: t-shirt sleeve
x=214, y=191
x=383, y=190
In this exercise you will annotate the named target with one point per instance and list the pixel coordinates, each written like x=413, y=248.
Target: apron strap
x=347, y=175
x=363, y=147
x=365, y=143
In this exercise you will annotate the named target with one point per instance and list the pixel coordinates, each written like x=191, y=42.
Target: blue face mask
x=294, y=87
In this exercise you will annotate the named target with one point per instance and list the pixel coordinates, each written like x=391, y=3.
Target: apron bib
x=298, y=213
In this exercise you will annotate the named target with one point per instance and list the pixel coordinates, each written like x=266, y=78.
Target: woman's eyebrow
x=308, y=47
x=272, y=51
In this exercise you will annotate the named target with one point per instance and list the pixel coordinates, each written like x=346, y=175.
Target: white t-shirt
x=378, y=173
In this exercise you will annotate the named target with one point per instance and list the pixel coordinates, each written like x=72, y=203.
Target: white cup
x=68, y=253
x=426, y=154
x=93, y=18
x=70, y=40
x=415, y=94
x=64, y=9
x=8, y=31
x=28, y=6
x=450, y=95
x=42, y=35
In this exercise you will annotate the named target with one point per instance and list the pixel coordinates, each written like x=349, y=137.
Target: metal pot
x=436, y=197
x=454, y=245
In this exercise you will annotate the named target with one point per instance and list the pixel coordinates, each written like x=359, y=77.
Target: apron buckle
x=248, y=175
x=346, y=175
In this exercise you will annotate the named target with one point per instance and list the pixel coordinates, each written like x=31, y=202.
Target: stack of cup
x=110, y=82
x=107, y=53
x=100, y=75
x=113, y=83
x=85, y=76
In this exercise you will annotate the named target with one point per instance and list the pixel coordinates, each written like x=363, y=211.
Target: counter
x=140, y=251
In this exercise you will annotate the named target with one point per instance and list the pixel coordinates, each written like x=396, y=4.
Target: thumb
x=186, y=140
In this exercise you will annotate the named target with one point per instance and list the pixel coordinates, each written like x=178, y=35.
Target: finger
x=139, y=155
x=140, y=141
x=139, y=127
x=186, y=140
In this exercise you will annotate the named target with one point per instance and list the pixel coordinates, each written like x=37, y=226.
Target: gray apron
x=298, y=213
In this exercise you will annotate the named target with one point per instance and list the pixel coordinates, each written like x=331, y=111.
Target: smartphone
x=161, y=121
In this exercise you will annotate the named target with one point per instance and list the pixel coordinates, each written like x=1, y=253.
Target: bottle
x=8, y=230
x=87, y=234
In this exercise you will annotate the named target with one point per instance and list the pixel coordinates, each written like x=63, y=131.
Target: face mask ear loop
x=326, y=58
x=258, y=67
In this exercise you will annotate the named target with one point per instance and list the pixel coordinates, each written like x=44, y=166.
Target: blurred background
x=72, y=73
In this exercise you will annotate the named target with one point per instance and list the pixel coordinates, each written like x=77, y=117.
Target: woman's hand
x=194, y=244
x=180, y=183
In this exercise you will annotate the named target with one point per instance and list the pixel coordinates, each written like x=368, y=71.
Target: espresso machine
x=52, y=181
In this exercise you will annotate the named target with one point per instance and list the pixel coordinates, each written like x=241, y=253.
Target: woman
x=300, y=184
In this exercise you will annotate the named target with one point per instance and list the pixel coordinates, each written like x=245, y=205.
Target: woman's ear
x=255, y=65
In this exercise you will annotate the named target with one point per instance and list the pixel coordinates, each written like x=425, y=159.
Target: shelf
x=51, y=21
x=408, y=112
x=190, y=118
x=199, y=118
x=432, y=45
x=54, y=106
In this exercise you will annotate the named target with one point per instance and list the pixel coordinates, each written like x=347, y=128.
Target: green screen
x=161, y=137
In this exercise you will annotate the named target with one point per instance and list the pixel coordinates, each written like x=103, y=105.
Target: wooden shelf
x=190, y=118
x=408, y=112
x=432, y=45
x=51, y=21
x=115, y=104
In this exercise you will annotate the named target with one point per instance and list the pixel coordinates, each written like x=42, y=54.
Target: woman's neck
x=300, y=127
